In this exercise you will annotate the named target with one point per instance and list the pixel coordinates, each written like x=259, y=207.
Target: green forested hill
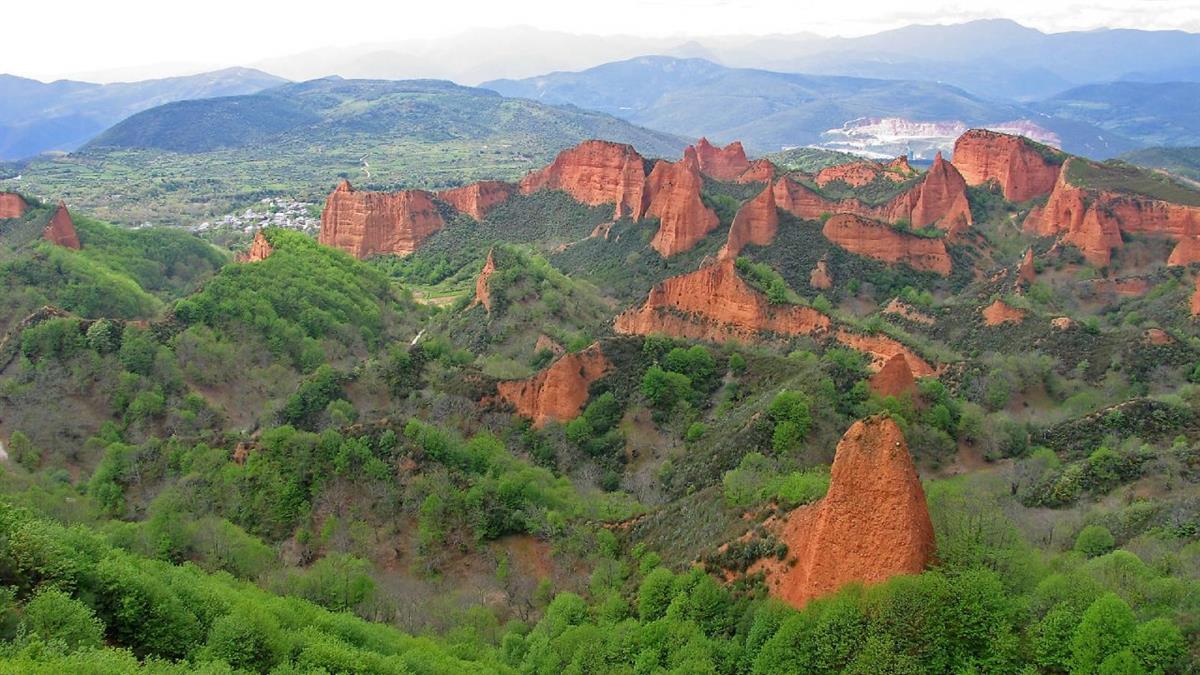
x=195, y=159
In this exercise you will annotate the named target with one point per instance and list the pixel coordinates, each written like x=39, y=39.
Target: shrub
x=1094, y=540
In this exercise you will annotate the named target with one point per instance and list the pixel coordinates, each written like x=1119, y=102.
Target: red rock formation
x=854, y=174
x=12, y=205
x=882, y=349
x=373, y=223
x=901, y=169
x=560, y=391
x=596, y=172
x=1025, y=271
x=545, y=343
x=894, y=379
x=939, y=199
x=755, y=223
x=899, y=308
x=882, y=242
x=873, y=524
x=1157, y=336
x=260, y=249
x=61, y=229
x=760, y=171
x=1094, y=220
x=1194, y=301
x=1001, y=312
x=727, y=164
x=482, y=295
x=1062, y=323
x=819, y=276
x=477, y=199
x=1186, y=252
x=1022, y=170
x=714, y=304
x=673, y=195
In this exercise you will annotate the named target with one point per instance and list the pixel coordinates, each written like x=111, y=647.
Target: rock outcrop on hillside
x=365, y=224
x=60, y=231
x=1000, y=312
x=882, y=242
x=727, y=163
x=900, y=308
x=715, y=304
x=819, y=278
x=1022, y=170
x=873, y=523
x=594, y=173
x=260, y=249
x=940, y=199
x=477, y=199
x=1186, y=252
x=760, y=171
x=1093, y=220
x=1025, y=271
x=755, y=223
x=894, y=379
x=12, y=205
x=865, y=172
x=881, y=349
x=1194, y=300
x=673, y=196
x=560, y=391
x=483, y=294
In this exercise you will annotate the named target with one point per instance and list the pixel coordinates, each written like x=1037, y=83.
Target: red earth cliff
x=12, y=205
x=760, y=171
x=1021, y=169
x=715, y=304
x=882, y=349
x=858, y=174
x=1025, y=271
x=894, y=379
x=873, y=523
x=880, y=241
x=559, y=392
x=819, y=277
x=596, y=172
x=482, y=295
x=1194, y=301
x=61, y=229
x=373, y=223
x=260, y=249
x=1001, y=312
x=727, y=164
x=477, y=199
x=673, y=192
x=755, y=223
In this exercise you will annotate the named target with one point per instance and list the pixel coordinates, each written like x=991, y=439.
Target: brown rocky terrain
x=477, y=199
x=715, y=304
x=727, y=163
x=819, y=277
x=901, y=308
x=673, y=196
x=12, y=205
x=365, y=224
x=1025, y=271
x=1093, y=220
x=882, y=349
x=594, y=173
x=482, y=295
x=560, y=391
x=61, y=229
x=894, y=379
x=1194, y=300
x=760, y=171
x=1000, y=312
x=755, y=223
x=858, y=174
x=260, y=249
x=1022, y=170
x=880, y=241
x=872, y=524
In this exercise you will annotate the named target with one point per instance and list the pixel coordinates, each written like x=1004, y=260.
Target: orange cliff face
x=858, y=174
x=477, y=199
x=1022, y=171
x=873, y=523
x=760, y=171
x=1000, y=312
x=594, y=173
x=673, y=191
x=12, y=205
x=483, y=294
x=1094, y=220
x=939, y=199
x=894, y=379
x=1025, y=271
x=727, y=164
x=373, y=223
x=715, y=304
x=755, y=223
x=260, y=249
x=60, y=231
x=1194, y=300
x=560, y=391
x=882, y=349
x=880, y=241
x=819, y=277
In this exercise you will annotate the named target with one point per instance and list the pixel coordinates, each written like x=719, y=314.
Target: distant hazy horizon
x=139, y=39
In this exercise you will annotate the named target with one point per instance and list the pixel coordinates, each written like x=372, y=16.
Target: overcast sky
x=59, y=38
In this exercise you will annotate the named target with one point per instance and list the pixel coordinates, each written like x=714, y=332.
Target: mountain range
x=38, y=117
